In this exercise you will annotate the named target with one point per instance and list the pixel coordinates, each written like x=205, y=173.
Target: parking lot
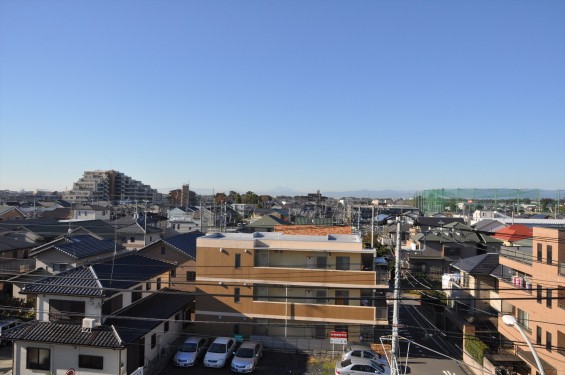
x=272, y=363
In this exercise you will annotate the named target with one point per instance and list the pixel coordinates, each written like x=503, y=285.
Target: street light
x=510, y=320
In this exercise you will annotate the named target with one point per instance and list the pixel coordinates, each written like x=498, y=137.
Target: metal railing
x=518, y=255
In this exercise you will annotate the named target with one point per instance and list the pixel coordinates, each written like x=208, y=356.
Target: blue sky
x=254, y=95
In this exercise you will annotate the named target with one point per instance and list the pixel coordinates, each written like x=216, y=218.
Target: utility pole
x=395, y=313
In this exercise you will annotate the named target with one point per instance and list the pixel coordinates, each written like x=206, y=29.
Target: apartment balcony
x=331, y=276
x=561, y=269
x=515, y=288
x=518, y=255
x=321, y=312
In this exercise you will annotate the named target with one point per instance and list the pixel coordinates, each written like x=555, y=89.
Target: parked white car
x=219, y=352
x=191, y=350
x=247, y=356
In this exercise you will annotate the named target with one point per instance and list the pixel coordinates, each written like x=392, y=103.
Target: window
x=173, y=272
x=523, y=319
x=136, y=294
x=59, y=267
x=561, y=297
x=539, y=252
x=158, y=283
x=549, y=254
x=342, y=263
x=91, y=361
x=538, y=335
x=38, y=359
x=66, y=311
x=538, y=295
x=166, y=326
x=153, y=340
x=236, y=295
x=237, y=260
x=342, y=297
x=548, y=341
x=162, y=249
x=190, y=276
x=148, y=285
x=132, y=239
x=548, y=302
x=561, y=343
x=321, y=262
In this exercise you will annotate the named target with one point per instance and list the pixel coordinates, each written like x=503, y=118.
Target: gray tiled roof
x=70, y=334
x=101, y=279
x=136, y=320
x=185, y=242
x=84, y=246
x=483, y=264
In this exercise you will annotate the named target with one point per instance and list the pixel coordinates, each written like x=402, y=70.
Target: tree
x=234, y=197
x=250, y=198
x=220, y=198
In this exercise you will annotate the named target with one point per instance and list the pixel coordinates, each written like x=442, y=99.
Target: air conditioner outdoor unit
x=87, y=323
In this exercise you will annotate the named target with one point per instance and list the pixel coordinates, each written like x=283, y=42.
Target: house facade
x=106, y=318
x=287, y=285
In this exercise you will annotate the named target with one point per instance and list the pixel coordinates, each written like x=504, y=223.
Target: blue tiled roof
x=85, y=246
x=101, y=279
x=150, y=312
x=185, y=242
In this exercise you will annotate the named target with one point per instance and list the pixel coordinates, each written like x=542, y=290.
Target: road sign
x=337, y=337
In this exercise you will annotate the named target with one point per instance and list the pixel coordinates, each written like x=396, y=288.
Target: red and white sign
x=470, y=201
x=71, y=371
x=337, y=337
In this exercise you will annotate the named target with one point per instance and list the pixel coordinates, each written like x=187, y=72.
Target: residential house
x=91, y=212
x=273, y=284
x=72, y=251
x=264, y=224
x=14, y=254
x=179, y=250
x=106, y=318
x=9, y=213
x=538, y=305
x=434, y=251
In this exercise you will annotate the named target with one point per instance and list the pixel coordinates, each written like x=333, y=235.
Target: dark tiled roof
x=136, y=228
x=79, y=281
x=101, y=279
x=69, y=334
x=14, y=242
x=436, y=222
x=185, y=242
x=483, y=264
x=79, y=247
x=138, y=319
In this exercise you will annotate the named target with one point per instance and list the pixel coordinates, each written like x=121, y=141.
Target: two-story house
x=273, y=284
x=105, y=318
x=72, y=251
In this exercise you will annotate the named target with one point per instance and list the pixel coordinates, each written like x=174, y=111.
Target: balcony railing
x=517, y=255
x=562, y=268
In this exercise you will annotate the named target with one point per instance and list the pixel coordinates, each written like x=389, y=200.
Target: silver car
x=247, y=356
x=219, y=352
x=191, y=351
x=360, y=366
x=362, y=351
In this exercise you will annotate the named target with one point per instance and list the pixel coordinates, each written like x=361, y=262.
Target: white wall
x=64, y=357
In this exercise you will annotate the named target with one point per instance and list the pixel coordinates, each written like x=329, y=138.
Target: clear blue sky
x=253, y=95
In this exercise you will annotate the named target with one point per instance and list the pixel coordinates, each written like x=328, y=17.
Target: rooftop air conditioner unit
x=87, y=324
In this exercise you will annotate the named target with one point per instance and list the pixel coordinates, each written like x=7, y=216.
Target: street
x=424, y=349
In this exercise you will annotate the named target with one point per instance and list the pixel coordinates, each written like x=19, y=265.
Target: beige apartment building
x=534, y=293
x=270, y=283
